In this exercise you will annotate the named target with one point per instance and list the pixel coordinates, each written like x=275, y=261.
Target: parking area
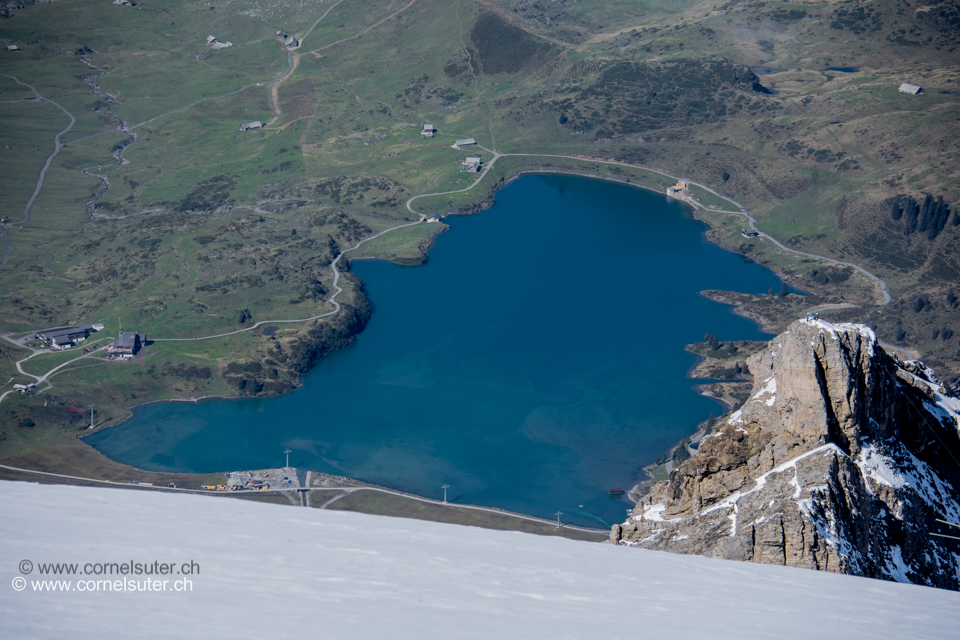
x=262, y=479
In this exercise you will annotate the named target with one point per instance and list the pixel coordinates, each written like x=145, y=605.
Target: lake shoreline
x=625, y=199
x=432, y=241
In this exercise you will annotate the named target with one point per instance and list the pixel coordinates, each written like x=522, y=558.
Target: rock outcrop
x=844, y=459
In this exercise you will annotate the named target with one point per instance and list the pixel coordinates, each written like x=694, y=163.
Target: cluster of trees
x=713, y=341
x=930, y=215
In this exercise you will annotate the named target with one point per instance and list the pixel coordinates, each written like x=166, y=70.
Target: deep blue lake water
x=533, y=363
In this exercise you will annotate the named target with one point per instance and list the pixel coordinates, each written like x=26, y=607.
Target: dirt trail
x=275, y=89
x=333, y=298
x=43, y=172
x=316, y=52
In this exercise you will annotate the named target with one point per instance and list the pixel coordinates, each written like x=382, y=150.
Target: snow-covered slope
x=269, y=571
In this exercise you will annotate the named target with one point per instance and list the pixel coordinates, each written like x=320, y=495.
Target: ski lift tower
x=288, y=452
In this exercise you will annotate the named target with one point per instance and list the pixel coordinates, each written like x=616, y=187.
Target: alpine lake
x=534, y=362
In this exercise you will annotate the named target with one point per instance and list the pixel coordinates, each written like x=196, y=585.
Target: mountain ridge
x=843, y=459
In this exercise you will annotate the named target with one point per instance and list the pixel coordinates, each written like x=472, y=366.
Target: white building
x=912, y=89
x=678, y=190
x=216, y=44
x=428, y=131
x=459, y=144
x=256, y=124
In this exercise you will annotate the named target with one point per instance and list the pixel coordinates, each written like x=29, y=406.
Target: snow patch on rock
x=896, y=568
x=879, y=468
x=654, y=512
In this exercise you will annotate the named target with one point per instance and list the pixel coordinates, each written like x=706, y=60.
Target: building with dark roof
x=64, y=337
x=127, y=343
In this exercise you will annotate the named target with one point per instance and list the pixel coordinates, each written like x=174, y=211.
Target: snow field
x=266, y=570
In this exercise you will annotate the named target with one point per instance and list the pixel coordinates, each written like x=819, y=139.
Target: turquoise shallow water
x=534, y=362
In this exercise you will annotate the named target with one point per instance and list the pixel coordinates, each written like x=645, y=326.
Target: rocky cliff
x=843, y=459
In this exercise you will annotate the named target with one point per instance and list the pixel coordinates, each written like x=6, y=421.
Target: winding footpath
x=45, y=377
x=314, y=25
x=742, y=211
x=333, y=298
x=409, y=204
x=43, y=172
x=486, y=169
x=128, y=129
x=280, y=78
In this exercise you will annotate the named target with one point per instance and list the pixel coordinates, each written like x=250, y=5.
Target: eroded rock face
x=843, y=460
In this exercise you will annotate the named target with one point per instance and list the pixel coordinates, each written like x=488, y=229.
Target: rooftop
x=66, y=331
x=126, y=339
